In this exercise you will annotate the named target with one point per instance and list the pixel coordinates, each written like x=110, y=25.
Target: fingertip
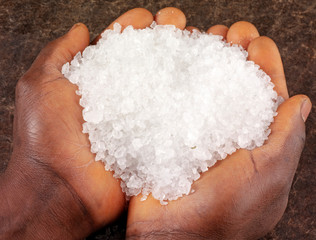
x=306, y=107
x=171, y=16
x=242, y=33
x=290, y=114
x=191, y=29
x=81, y=32
x=79, y=25
x=218, y=30
x=299, y=99
x=297, y=104
x=63, y=49
x=282, y=149
x=137, y=17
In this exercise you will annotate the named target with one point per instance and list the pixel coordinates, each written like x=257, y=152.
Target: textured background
x=27, y=25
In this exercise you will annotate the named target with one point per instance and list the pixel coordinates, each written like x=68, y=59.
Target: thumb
x=286, y=141
x=63, y=49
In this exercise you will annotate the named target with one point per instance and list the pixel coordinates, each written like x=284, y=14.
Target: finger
x=242, y=33
x=218, y=30
x=171, y=16
x=139, y=18
x=63, y=49
x=191, y=29
x=264, y=52
x=286, y=141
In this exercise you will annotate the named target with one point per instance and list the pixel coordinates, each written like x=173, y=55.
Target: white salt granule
x=161, y=105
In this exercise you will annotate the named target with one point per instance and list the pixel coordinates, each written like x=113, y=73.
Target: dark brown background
x=26, y=26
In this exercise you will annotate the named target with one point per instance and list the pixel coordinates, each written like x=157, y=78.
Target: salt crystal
x=93, y=116
x=162, y=105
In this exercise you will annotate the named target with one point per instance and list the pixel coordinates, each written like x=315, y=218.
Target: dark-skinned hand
x=245, y=195
x=53, y=188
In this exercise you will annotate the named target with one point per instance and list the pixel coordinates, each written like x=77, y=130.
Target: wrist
x=35, y=203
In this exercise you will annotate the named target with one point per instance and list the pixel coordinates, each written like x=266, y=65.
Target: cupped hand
x=51, y=154
x=242, y=196
x=245, y=195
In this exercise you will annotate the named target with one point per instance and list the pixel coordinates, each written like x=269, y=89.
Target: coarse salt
x=162, y=105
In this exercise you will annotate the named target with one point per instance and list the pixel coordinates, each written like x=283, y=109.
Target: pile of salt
x=162, y=105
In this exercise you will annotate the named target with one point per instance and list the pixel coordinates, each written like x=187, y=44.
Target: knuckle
x=22, y=86
x=56, y=50
x=281, y=183
x=285, y=155
x=48, y=50
x=50, y=46
x=295, y=137
x=32, y=80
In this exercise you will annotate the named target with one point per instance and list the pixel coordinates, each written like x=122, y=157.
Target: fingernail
x=74, y=26
x=305, y=109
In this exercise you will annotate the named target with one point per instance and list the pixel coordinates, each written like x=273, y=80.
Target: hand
x=52, y=187
x=245, y=195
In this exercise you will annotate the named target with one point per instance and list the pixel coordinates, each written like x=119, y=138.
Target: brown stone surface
x=27, y=25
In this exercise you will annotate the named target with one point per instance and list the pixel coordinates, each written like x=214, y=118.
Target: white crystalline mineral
x=162, y=105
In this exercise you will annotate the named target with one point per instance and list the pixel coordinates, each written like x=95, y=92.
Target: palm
x=224, y=193
x=49, y=125
x=48, y=130
x=55, y=132
x=249, y=189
